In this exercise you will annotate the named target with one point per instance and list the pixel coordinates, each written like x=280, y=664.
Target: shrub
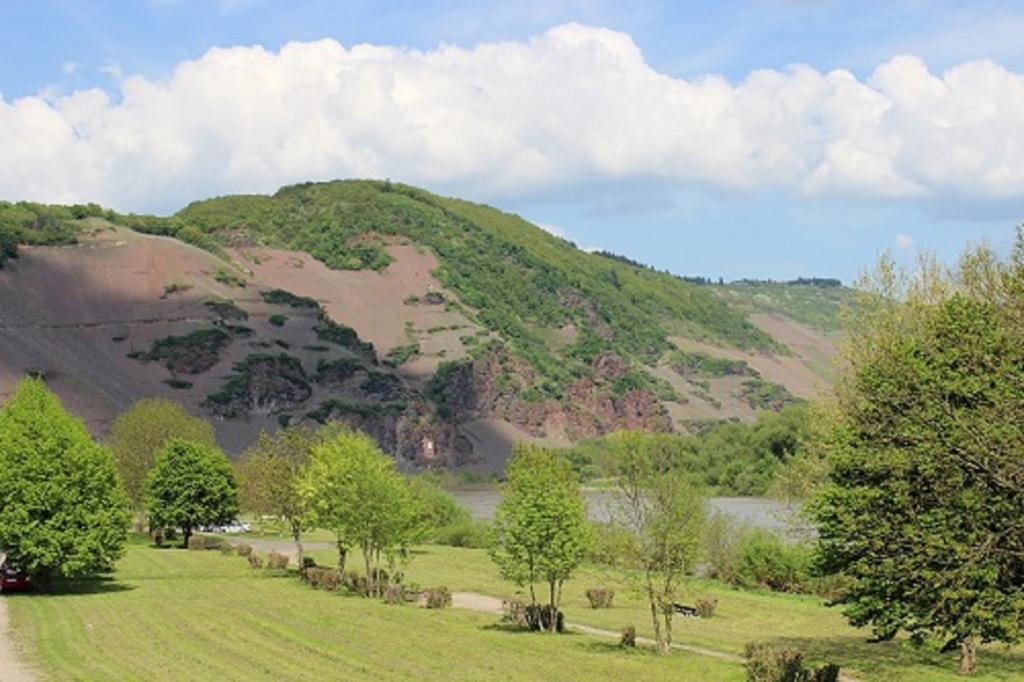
x=706, y=607
x=255, y=560
x=628, y=637
x=243, y=549
x=470, y=534
x=277, y=561
x=203, y=542
x=438, y=597
x=513, y=611
x=355, y=583
x=227, y=549
x=767, y=663
x=600, y=597
x=278, y=320
x=764, y=560
x=394, y=594
x=330, y=580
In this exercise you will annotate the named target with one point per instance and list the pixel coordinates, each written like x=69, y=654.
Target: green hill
x=559, y=343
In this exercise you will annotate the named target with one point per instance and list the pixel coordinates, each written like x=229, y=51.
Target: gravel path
x=12, y=669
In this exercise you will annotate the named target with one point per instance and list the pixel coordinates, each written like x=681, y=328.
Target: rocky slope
x=447, y=330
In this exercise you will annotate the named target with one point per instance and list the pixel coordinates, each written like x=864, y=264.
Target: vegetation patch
x=229, y=278
x=262, y=384
x=383, y=386
x=193, y=353
x=226, y=310
x=330, y=331
x=703, y=365
x=277, y=320
x=764, y=395
x=336, y=372
x=340, y=407
x=282, y=297
x=399, y=355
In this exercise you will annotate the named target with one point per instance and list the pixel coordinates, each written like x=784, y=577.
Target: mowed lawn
x=170, y=614
x=173, y=614
x=743, y=616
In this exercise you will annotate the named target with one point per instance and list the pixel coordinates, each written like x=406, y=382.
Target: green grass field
x=173, y=614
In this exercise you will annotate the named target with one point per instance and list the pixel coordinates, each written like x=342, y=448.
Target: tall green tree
x=141, y=431
x=191, y=484
x=62, y=508
x=925, y=499
x=269, y=471
x=659, y=516
x=353, y=489
x=540, y=532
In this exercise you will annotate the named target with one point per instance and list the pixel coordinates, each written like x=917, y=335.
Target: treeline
x=40, y=224
x=729, y=458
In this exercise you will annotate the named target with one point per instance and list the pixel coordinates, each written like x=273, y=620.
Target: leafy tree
x=268, y=475
x=353, y=489
x=925, y=497
x=62, y=509
x=540, y=531
x=140, y=432
x=438, y=508
x=660, y=514
x=191, y=484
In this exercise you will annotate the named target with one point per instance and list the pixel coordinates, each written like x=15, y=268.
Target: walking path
x=12, y=668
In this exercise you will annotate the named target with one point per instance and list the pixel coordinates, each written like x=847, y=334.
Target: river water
x=757, y=512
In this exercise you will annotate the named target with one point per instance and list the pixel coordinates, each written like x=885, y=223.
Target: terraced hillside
x=447, y=329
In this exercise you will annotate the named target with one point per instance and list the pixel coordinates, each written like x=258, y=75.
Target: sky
x=761, y=139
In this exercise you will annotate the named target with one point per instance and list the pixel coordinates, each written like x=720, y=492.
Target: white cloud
x=904, y=242
x=69, y=68
x=553, y=229
x=572, y=106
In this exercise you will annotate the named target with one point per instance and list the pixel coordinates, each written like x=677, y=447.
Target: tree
x=140, y=432
x=925, y=499
x=191, y=484
x=269, y=472
x=540, y=531
x=353, y=489
x=658, y=515
x=62, y=509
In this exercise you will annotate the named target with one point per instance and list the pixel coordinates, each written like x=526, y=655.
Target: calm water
x=758, y=512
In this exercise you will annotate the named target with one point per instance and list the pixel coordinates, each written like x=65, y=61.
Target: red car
x=13, y=580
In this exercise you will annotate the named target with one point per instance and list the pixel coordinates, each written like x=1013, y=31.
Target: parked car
x=13, y=580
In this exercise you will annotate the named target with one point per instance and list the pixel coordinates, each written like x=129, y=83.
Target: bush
x=243, y=549
x=706, y=607
x=356, y=583
x=764, y=560
x=227, y=549
x=628, y=637
x=438, y=597
x=767, y=663
x=469, y=534
x=278, y=320
x=202, y=542
x=255, y=560
x=277, y=561
x=513, y=611
x=394, y=594
x=330, y=580
x=600, y=597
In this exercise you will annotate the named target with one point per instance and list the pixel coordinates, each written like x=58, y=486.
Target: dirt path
x=481, y=602
x=12, y=669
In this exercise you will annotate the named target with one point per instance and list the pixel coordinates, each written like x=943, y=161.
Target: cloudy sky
x=767, y=138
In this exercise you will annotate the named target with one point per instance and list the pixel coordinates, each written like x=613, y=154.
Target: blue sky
x=693, y=212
